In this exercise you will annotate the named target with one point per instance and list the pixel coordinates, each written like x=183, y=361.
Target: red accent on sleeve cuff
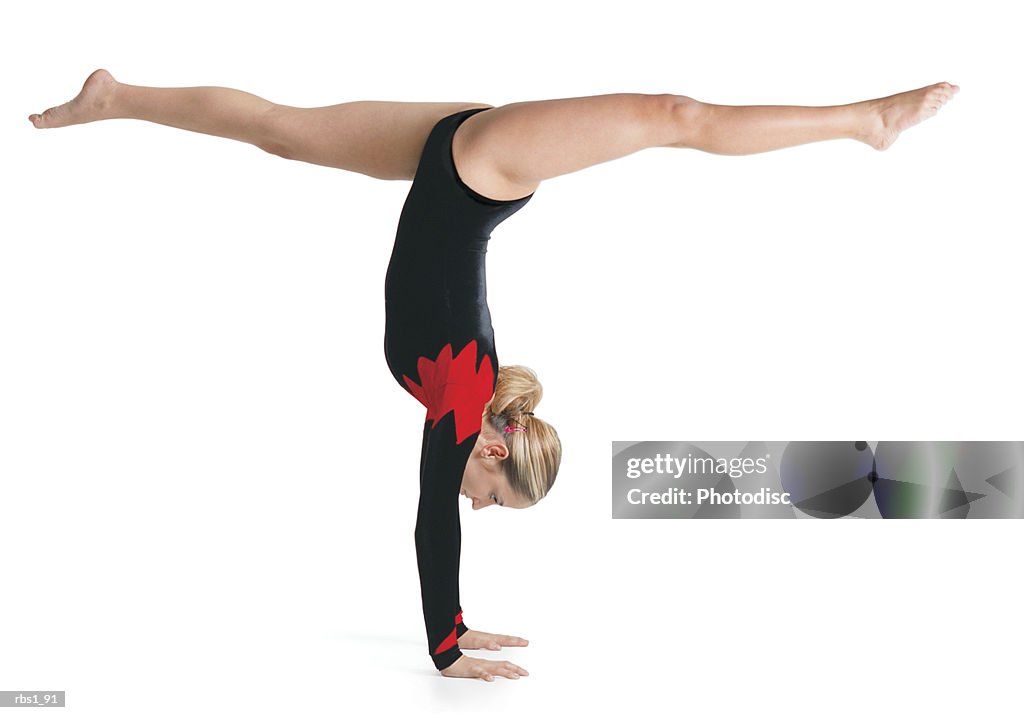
x=447, y=642
x=452, y=638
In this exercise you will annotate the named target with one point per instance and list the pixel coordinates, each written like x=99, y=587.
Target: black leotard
x=439, y=345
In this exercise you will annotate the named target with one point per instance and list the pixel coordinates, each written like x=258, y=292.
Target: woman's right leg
x=376, y=138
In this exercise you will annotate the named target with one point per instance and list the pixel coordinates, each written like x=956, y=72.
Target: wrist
x=444, y=660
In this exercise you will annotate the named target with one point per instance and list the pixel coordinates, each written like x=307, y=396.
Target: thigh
x=507, y=151
x=378, y=138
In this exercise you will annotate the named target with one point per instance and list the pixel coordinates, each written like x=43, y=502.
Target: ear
x=496, y=450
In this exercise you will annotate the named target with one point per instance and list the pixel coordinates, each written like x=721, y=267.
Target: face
x=483, y=482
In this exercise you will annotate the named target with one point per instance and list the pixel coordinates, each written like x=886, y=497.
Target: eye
x=494, y=497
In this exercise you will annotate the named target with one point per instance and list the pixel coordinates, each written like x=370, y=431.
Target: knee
x=270, y=134
x=685, y=120
x=274, y=149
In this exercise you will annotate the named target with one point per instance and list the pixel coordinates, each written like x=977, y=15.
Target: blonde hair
x=533, y=455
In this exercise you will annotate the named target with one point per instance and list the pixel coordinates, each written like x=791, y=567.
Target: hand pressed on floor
x=471, y=667
x=476, y=640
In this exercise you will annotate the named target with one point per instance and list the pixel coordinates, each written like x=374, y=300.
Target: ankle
x=115, y=103
x=858, y=119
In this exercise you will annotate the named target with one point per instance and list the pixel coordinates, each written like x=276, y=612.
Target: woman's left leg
x=506, y=152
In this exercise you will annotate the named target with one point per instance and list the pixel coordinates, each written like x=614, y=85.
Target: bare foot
x=885, y=118
x=93, y=103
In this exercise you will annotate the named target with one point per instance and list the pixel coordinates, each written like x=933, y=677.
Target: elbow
x=421, y=535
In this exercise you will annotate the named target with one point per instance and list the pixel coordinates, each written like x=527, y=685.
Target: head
x=516, y=456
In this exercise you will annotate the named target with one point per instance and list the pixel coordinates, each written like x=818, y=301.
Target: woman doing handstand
x=472, y=166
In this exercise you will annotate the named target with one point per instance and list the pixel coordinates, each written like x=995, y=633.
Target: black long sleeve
x=439, y=346
x=454, y=389
x=438, y=538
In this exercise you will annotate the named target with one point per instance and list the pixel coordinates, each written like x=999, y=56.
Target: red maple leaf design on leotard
x=449, y=384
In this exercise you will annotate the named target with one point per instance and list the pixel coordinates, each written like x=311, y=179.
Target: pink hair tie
x=521, y=428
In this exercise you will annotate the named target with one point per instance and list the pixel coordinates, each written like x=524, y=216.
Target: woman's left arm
x=439, y=537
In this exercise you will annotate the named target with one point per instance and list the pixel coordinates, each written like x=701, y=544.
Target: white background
x=208, y=476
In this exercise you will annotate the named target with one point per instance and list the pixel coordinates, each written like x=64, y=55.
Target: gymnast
x=472, y=165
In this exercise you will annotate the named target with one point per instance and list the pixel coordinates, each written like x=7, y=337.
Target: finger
x=484, y=675
x=493, y=646
x=513, y=668
x=516, y=668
